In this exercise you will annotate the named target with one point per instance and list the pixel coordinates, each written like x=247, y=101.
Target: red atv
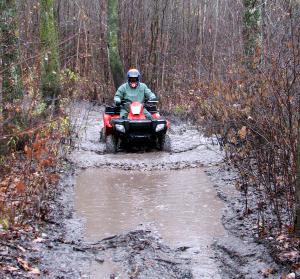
x=136, y=128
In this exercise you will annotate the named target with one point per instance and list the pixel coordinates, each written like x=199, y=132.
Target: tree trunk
x=9, y=50
x=215, y=41
x=113, y=52
x=251, y=31
x=50, y=57
x=297, y=190
x=10, y=80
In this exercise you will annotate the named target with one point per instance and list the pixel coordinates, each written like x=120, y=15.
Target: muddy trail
x=149, y=214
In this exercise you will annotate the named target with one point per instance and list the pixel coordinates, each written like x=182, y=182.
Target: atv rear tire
x=111, y=144
x=165, y=143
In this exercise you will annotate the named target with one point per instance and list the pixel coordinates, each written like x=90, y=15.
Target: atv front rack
x=114, y=110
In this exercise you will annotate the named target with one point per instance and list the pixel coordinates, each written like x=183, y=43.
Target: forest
x=231, y=67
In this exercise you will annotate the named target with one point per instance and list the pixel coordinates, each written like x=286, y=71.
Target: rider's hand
x=118, y=102
x=153, y=99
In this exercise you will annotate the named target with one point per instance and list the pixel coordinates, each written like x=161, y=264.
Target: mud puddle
x=179, y=206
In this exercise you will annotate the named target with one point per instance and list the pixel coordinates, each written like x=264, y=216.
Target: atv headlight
x=120, y=128
x=160, y=127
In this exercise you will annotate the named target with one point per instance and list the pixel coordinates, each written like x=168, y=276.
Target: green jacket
x=140, y=94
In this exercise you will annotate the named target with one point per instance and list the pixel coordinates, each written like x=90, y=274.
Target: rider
x=133, y=91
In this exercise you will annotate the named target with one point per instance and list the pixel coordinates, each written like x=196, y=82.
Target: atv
x=136, y=129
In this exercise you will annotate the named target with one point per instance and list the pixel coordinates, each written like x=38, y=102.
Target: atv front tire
x=111, y=144
x=102, y=136
x=165, y=143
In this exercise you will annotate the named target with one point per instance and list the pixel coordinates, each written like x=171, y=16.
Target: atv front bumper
x=139, y=129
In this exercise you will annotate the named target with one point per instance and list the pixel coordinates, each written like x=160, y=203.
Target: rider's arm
x=119, y=96
x=149, y=94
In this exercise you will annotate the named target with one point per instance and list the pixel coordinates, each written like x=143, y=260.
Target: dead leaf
x=35, y=271
x=38, y=240
x=18, y=109
x=46, y=163
x=243, y=132
x=281, y=237
x=21, y=248
x=53, y=178
x=21, y=187
x=28, y=152
x=9, y=268
x=3, y=189
x=291, y=276
x=24, y=264
x=267, y=272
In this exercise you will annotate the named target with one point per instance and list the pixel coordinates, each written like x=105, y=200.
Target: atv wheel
x=111, y=144
x=102, y=136
x=165, y=143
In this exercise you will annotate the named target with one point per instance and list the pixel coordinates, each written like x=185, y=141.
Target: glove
x=153, y=99
x=117, y=102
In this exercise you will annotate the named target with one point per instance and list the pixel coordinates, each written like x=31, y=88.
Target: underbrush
x=32, y=142
x=29, y=162
x=255, y=118
x=256, y=122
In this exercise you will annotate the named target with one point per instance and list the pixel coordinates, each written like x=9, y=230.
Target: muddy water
x=181, y=206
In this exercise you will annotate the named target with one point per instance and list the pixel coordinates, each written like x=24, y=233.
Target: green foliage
x=39, y=110
x=179, y=110
x=252, y=17
x=4, y=223
x=2, y=160
x=65, y=125
x=114, y=57
x=252, y=14
x=50, y=55
x=9, y=51
x=12, y=143
x=67, y=75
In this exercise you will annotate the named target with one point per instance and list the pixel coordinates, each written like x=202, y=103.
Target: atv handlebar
x=124, y=102
x=152, y=102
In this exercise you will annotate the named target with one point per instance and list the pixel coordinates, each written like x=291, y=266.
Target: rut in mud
x=179, y=206
x=150, y=214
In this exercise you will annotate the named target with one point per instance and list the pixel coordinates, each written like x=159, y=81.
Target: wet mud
x=149, y=214
x=242, y=254
x=180, y=207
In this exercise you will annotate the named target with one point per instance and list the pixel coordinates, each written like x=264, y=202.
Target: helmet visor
x=133, y=79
